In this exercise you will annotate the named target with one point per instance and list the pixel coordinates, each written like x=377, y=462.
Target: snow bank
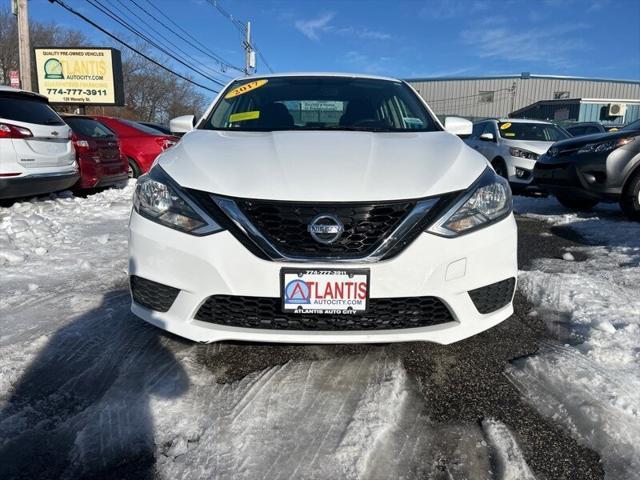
x=592, y=384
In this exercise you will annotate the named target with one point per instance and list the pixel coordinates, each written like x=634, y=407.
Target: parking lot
x=88, y=390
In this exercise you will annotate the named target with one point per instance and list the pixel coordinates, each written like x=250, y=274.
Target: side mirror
x=487, y=137
x=183, y=124
x=458, y=126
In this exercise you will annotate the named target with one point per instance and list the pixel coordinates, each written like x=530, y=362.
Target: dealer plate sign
x=324, y=291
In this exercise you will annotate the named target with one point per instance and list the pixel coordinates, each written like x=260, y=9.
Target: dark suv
x=584, y=171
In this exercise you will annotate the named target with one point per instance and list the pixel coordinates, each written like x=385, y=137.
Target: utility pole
x=24, y=44
x=250, y=55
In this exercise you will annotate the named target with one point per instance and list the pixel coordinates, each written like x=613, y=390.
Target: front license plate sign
x=324, y=291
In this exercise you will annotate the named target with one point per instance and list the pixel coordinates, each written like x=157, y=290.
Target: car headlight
x=521, y=153
x=606, y=146
x=487, y=201
x=161, y=200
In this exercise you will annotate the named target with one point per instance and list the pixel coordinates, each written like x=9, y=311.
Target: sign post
x=80, y=76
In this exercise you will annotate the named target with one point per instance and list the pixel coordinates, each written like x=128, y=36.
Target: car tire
x=500, y=167
x=581, y=204
x=630, y=200
x=134, y=169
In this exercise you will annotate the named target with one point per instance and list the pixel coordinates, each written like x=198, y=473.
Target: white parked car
x=322, y=208
x=513, y=146
x=36, y=153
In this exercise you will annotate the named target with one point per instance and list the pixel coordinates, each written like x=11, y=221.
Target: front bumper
x=524, y=181
x=588, y=175
x=219, y=264
x=37, y=184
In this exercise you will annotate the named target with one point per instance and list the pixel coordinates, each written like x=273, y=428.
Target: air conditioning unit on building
x=617, y=109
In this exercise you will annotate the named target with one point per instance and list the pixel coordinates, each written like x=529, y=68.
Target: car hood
x=573, y=143
x=532, y=145
x=323, y=166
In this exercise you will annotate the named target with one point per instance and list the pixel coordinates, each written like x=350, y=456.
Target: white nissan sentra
x=322, y=208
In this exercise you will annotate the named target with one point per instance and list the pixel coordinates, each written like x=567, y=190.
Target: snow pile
x=592, y=384
x=61, y=245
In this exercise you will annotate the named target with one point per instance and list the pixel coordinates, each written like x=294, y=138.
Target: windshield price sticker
x=325, y=291
x=247, y=87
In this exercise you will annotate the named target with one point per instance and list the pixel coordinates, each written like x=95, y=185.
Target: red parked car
x=98, y=153
x=139, y=143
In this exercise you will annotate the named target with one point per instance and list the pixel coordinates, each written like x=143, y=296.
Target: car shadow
x=81, y=409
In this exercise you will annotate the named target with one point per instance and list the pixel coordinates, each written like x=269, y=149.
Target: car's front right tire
x=580, y=204
x=630, y=200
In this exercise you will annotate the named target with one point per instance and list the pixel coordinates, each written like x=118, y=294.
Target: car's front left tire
x=630, y=200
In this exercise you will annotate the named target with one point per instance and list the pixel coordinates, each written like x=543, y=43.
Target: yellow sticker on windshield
x=509, y=134
x=247, y=87
x=241, y=117
x=505, y=126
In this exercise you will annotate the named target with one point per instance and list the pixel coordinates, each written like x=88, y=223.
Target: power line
x=161, y=37
x=136, y=32
x=241, y=27
x=197, y=44
x=122, y=42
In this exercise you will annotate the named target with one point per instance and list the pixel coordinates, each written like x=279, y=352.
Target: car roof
x=5, y=88
x=318, y=74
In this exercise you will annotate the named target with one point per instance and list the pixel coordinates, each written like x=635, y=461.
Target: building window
x=560, y=95
x=485, y=96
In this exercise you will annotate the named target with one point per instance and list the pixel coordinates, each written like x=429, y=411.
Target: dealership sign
x=80, y=75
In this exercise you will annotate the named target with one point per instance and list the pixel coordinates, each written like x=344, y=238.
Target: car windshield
x=541, y=132
x=632, y=126
x=23, y=108
x=88, y=127
x=319, y=103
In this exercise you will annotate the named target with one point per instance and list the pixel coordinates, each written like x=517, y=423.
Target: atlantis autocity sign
x=80, y=75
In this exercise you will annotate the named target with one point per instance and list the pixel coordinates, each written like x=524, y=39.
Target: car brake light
x=10, y=174
x=80, y=145
x=165, y=142
x=13, y=131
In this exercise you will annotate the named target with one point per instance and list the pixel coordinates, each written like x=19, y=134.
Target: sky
x=405, y=39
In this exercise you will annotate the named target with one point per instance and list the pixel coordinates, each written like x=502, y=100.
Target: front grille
x=152, y=295
x=493, y=297
x=285, y=225
x=266, y=313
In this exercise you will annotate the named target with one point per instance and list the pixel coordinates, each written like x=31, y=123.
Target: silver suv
x=36, y=152
x=513, y=146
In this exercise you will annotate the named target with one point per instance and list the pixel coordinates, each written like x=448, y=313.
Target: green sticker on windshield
x=509, y=134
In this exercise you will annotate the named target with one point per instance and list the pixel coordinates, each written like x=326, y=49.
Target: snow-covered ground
x=591, y=382
x=86, y=388
x=78, y=371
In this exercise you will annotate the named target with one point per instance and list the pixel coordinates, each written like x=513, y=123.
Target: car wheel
x=500, y=167
x=134, y=170
x=577, y=203
x=630, y=201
